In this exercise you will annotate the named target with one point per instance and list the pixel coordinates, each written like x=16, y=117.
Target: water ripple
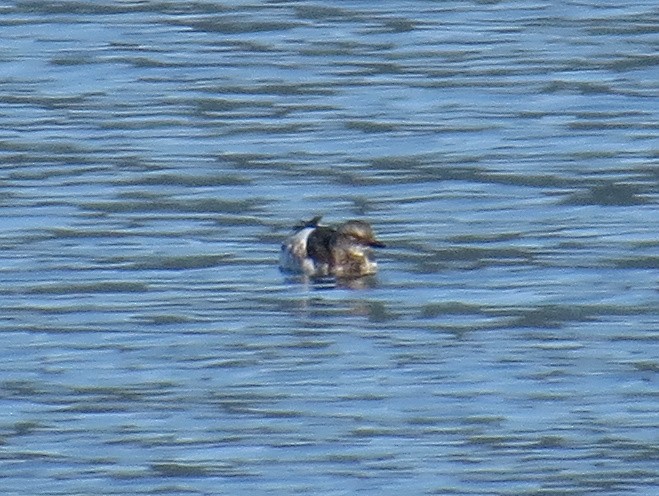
x=156, y=154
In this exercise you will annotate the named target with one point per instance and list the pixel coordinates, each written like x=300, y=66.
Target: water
x=154, y=155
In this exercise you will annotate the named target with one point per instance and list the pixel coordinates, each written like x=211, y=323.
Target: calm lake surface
x=155, y=154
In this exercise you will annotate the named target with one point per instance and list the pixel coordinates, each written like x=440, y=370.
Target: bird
x=344, y=251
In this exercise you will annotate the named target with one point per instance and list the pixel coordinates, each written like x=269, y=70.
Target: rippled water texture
x=154, y=155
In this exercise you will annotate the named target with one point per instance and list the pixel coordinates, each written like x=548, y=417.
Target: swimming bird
x=344, y=251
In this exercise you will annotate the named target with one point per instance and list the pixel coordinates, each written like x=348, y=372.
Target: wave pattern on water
x=156, y=153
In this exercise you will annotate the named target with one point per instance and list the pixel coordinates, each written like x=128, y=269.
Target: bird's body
x=344, y=251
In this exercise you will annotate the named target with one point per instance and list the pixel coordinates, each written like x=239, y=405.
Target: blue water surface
x=154, y=156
